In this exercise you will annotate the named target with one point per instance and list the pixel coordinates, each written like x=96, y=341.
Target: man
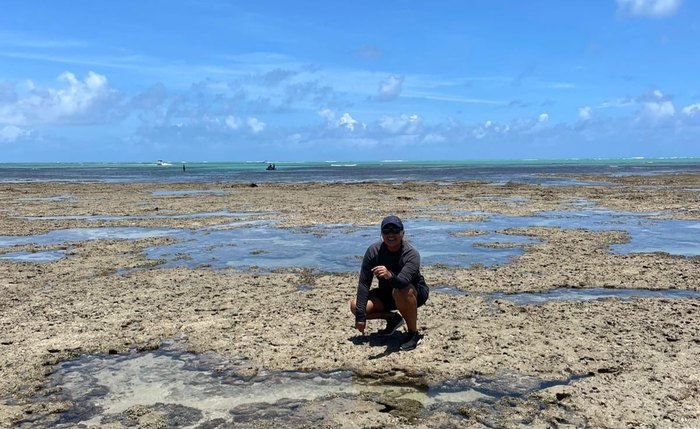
x=396, y=264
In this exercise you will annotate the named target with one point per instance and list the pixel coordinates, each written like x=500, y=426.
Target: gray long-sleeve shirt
x=404, y=264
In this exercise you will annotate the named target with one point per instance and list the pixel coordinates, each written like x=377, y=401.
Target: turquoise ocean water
x=342, y=171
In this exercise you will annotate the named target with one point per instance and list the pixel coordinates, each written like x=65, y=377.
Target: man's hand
x=382, y=272
x=360, y=326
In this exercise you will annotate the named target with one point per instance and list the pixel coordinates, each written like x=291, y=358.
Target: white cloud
x=649, y=8
x=406, y=124
x=585, y=113
x=327, y=114
x=78, y=97
x=347, y=121
x=10, y=133
x=256, y=125
x=479, y=133
x=79, y=101
x=390, y=88
x=659, y=110
x=489, y=128
x=693, y=110
x=656, y=106
x=543, y=118
x=232, y=122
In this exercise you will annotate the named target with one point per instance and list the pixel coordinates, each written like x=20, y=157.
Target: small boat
x=162, y=163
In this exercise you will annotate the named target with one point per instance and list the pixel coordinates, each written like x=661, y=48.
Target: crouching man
x=396, y=264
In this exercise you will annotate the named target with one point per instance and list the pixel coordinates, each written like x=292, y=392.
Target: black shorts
x=384, y=295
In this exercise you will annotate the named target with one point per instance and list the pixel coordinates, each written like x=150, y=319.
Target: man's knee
x=353, y=306
x=407, y=294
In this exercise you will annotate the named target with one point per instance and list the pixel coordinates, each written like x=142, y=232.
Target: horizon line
x=385, y=161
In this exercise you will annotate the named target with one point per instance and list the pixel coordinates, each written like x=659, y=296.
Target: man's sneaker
x=410, y=342
x=392, y=325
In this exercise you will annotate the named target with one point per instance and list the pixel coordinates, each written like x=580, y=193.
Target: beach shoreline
x=636, y=359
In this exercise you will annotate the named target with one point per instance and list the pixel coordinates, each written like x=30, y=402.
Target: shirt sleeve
x=363, y=286
x=409, y=271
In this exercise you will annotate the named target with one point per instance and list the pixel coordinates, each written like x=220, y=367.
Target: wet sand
x=637, y=359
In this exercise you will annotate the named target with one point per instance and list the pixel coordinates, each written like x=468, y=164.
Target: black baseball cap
x=392, y=220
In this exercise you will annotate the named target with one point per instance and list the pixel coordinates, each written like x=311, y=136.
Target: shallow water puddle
x=508, y=200
x=201, y=388
x=54, y=198
x=581, y=202
x=543, y=180
x=85, y=234
x=571, y=294
x=676, y=237
x=333, y=248
x=204, y=215
x=339, y=248
x=260, y=244
x=566, y=294
x=217, y=192
x=41, y=256
x=304, y=288
x=647, y=234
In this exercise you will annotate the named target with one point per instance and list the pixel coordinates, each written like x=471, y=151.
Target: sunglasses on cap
x=391, y=229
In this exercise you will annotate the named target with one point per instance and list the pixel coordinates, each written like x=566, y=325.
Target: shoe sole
x=408, y=349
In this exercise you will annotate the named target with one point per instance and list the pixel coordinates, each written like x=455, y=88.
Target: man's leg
x=406, y=300
x=374, y=310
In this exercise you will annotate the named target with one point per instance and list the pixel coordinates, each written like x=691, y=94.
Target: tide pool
x=339, y=248
x=208, y=389
x=330, y=248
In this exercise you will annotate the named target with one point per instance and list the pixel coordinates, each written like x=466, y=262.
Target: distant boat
x=163, y=163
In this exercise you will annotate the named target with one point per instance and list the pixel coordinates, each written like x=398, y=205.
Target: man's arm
x=411, y=267
x=363, y=286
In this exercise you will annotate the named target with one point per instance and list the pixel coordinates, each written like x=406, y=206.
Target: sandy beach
x=609, y=363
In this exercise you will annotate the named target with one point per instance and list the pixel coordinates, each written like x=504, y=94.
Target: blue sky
x=218, y=80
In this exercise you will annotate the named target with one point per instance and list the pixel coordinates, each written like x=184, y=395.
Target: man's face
x=392, y=235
